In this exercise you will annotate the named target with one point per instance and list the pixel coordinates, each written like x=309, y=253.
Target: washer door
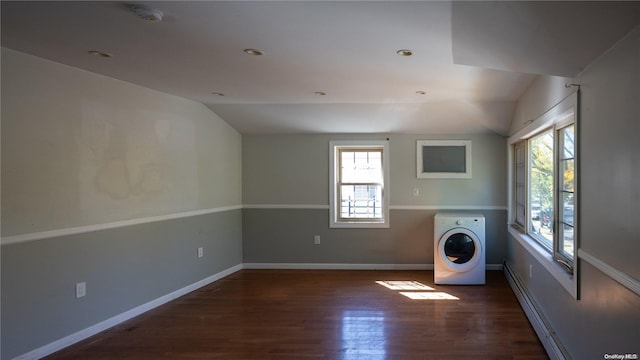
x=459, y=249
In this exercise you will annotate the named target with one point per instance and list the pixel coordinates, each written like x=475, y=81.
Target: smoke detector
x=146, y=13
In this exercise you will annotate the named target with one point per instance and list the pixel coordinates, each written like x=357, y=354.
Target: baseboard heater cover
x=551, y=344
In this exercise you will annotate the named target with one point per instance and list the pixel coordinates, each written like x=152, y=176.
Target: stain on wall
x=134, y=160
x=112, y=177
x=81, y=149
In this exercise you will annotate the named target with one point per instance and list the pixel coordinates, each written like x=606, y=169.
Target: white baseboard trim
x=111, y=322
x=332, y=266
x=544, y=332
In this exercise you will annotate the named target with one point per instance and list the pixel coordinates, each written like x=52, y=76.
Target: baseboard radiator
x=545, y=333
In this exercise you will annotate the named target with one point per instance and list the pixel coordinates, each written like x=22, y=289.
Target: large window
x=358, y=177
x=544, y=184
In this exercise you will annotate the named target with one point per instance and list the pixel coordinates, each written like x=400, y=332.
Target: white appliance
x=459, y=249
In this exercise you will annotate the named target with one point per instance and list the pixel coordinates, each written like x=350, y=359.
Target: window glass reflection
x=363, y=336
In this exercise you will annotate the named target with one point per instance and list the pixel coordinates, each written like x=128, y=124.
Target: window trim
x=513, y=199
x=422, y=174
x=547, y=257
x=341, y=182
x=527, y=214
x=559, y=255
x=334, y=221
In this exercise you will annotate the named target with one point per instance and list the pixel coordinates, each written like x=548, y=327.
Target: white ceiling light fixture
x=254, y=52
x=99, y=53
x=146, y=13
x=404, y=52
x=421, y=92
x=217, y=93
x=320, y=93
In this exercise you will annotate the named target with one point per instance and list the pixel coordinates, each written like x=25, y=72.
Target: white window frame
x=334, y=220
x=520, y=185
x=558, y=254
x=545, y=256
x=422, y=174
x=528, y=200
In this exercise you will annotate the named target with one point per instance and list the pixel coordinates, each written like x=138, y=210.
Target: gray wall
x=123, y=268
x=286, y=236
x=84, y=152
x=283, y=174
x=606, y=319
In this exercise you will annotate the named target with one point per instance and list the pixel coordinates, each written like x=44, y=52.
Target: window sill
x=542, y=255
x=359, y=225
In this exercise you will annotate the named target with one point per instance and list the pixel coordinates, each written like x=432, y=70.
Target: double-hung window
x=358, y=184
x=544, y=191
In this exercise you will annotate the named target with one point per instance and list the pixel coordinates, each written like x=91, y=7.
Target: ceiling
x=473, y=60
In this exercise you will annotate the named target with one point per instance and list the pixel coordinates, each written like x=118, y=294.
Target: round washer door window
x=459, y=249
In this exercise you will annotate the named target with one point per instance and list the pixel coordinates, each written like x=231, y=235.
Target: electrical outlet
x=316, y=239
x=81, y=289
x=200, y=252
x=416, y=192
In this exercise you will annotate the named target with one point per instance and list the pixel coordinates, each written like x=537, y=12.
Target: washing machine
x=459, y=249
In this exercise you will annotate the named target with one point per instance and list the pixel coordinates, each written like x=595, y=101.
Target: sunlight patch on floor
x=415, y=290
x=363, y=335
x=438, y=295
x=404, y=285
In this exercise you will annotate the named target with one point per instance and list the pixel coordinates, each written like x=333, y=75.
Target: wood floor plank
x=325, y=314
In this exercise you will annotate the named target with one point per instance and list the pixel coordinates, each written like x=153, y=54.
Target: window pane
x=541, y=186
x=520, y=211
x=568, y=174
x=520, y=185
x=567, y=208
x=358, y=171
x=566, y=245
x=546, y=220
x=360, y=201
x=361, y=166
x=569, y=142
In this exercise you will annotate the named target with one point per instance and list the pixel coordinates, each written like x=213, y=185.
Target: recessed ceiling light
x=321, y=93
x=420, y=92
x=146, y=13
x=404, y=52
x=217, y=93
x=99, y=53
x=254, y=52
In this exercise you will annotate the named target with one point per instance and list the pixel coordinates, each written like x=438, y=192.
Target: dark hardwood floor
x=313, y=314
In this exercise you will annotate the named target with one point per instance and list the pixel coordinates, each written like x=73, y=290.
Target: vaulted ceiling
x=330, y=66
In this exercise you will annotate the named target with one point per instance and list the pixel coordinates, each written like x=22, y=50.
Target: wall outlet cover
x=81, y=289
